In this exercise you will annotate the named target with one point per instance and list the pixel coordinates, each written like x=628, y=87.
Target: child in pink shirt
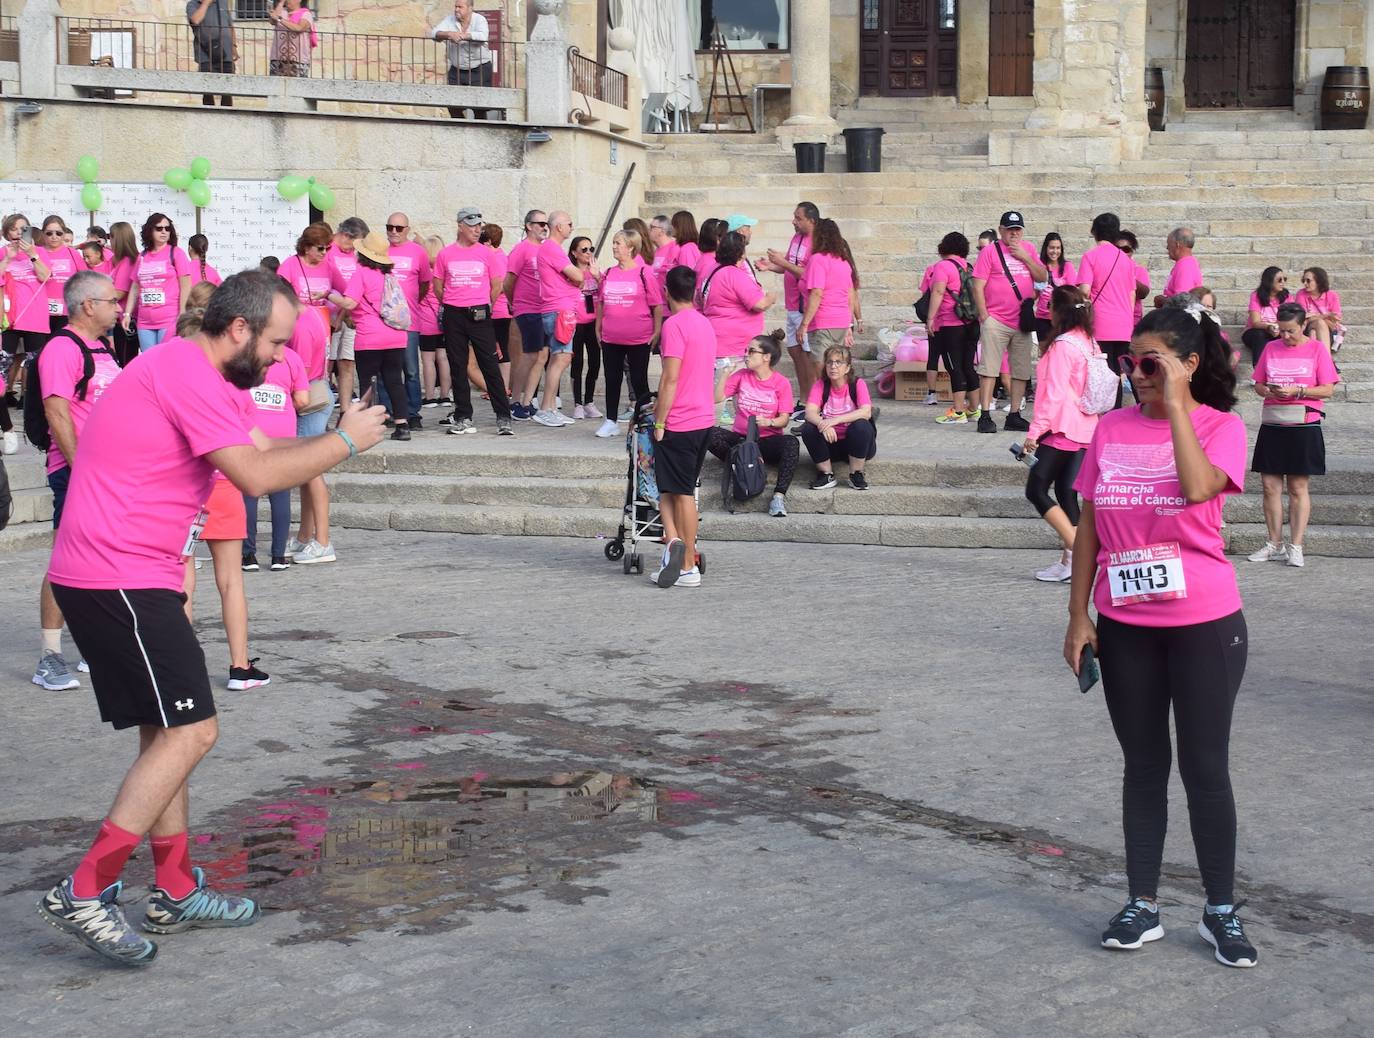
x=285, y=389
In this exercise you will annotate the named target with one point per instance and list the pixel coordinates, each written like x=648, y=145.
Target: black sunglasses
x=55, y=234
x=537, y=223
x=163, y=227
x=1126, y=249
x=1130, y=364
x=397, y=227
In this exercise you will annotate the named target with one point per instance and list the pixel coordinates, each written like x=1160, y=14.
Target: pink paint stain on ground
x=1048, y=849
x=481, y=731
x=479, y=776
x=683, y=796
x=411, y=766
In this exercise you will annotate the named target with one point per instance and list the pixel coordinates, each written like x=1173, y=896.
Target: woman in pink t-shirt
x=732, y=300
x=1294, y=376
x=685, y=234
x=760, y=393
x=1324, y=322
x=379, y=349
x=1061, y=272
x=1170, y=631
x=586, y=346
x=1262, y=324
x=434, y=372
x=197, y=247
x=22, y=273
x=629, y=319
x=830, y=291
x=161, y=279
x=62, y=261
x=123, y=259
x=839, y=422
x=950, y=338
x=708, y=239
x=645, y=250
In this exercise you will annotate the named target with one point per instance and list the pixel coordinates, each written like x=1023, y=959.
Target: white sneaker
x=686, y=578
x=777, y=507
x=579, y=413
x=293, y=547
x=932, y=399
x=1271, y=552
x=590, y=411
x=1295, y=555
x=1057, y=573
x=551, y=419
x=315, y=552
x=608, y=429
x=564, y=419
x=9, y=443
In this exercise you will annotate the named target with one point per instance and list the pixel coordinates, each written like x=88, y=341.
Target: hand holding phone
x=1089, y=673
x=369, y=396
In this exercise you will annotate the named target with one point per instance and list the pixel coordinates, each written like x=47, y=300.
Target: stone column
x=809, y=34
x=37, y=45
x=974, y=24
x=548, y=91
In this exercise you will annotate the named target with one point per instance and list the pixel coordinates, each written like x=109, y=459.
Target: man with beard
x=135, y=511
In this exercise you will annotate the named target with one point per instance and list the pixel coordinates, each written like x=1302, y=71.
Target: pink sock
x=172, y=865
x=105, y=860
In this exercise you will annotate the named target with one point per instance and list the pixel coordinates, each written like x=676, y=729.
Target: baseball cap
x=469, y=216
x=735, y=221
x=1011, y=218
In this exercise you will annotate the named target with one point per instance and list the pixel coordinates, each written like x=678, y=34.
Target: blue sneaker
x=201, y=907
x=521, y=413
x=98, y=922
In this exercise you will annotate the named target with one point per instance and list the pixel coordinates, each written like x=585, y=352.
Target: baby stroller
x=640, y=520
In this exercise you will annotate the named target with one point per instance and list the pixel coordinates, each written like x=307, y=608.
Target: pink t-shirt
x=465, y=274
x=1270, y=312
x=626, y=299
x=797, y=250
x=1306, y=364
x=839, y=402
x=28, y=302
x=274, y=410
x=310, y=339
x=60, y=367
x=62, y=262
x=834, y=277
x=1160, y=560
x=1111, y=275
x=665, y=259
x=342, y=266
x=209, y=274
x=558, y=292
x=591, y=291
x=429, y=312
x=157, y=281
x=141, y=472
x=105, y=266
x=760, y=399
x=688, y=335
x=690, y=255
x=946, y=272
x=1142, y=279
x=501, y=308
x=372, y=332
x=312, y=283
x=729, y=306
x=410, y=268
x=1068, y=277
x=123, y=277
x=1185, y=277
x=1329, y=302
x=523, y=262
x=1001, y=301
x=706, y=262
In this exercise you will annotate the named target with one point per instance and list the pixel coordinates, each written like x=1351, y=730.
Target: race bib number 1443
x=1152, y=573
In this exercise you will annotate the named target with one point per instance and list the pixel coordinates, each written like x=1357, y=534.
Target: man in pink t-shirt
x=343, y=264
x=684, y=415
x=1004, y=276
x=1186, y=275
x=143, y=471
x=560, y=285
x=1106, y=275
x=410, y=268
x=791, y=263
x=523, y=290
x=72, y=375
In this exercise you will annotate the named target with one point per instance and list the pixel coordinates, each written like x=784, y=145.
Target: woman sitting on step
x=1323, y=308
x=839, y=422
x=760, y=393
x=1262, y=327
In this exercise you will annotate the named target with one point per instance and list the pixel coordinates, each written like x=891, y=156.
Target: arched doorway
x=1240, y=55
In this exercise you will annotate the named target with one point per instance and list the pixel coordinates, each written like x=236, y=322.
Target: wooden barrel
x=1345, y=98
x=1154, y=98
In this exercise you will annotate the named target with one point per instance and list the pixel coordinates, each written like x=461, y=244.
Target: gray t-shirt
x=214, y=36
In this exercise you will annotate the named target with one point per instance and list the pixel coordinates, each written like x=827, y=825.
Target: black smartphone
x=369, y=396
x=1089, y=673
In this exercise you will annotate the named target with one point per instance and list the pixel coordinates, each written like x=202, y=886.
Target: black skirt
x=1290, y=450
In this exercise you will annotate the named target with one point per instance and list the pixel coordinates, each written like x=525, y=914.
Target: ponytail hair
x=1295, y=312
x=771, y=344
x=1070, y=310
x=1187, y=328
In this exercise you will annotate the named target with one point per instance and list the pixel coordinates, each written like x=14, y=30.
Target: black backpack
x=36, y=429
x=745, y=476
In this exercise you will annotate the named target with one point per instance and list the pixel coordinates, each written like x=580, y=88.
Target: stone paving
x=498, y=788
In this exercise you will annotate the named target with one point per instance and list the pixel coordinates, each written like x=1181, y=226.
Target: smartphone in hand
x=369, y=396
x=1089, y=673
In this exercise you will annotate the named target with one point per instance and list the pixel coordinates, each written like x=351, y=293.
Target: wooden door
x=908, y=48
x=1011, y=48
x=1239, y=55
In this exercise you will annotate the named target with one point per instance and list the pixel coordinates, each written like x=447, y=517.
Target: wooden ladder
x=734, y=103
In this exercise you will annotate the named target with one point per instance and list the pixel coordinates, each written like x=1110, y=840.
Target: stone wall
x=1166, y=43
x=1329, y=32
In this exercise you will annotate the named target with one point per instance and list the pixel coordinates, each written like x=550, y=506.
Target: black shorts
x=431, y=343
x=678, y=458
x=146, y=665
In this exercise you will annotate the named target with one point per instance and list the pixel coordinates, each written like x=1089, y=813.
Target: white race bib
x=269, y=397
x=193, y=535
x=1153, y=573
x=54, y=308
x=152, y=297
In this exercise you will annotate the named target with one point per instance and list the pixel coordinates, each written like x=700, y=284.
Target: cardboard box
x=911, y=381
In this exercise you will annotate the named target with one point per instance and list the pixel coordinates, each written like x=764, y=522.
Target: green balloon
x=291, y=187
x=199, y=193
x=200, y=168
x=88, y=169
x=177, y=179
x=321, y=197
x=90, y=198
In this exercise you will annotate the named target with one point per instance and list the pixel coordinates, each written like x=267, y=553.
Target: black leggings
x=1255, y=339
x=584, y=344
x=616, y=358
x=1115, y=350
x=1198, y=669
x=860, y=440
x=12, y=344
x=1057, y=468
x=391, y=365
x=781, y=451
x=957, y=344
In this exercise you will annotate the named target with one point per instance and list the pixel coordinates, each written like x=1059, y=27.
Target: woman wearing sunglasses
x=1323, y=306
x=760, y=393
x=62, y=261
x=586, y=362
x=1169, y=631
x=22, y=273
x=1294, y=375
x=1262, y=325
x=162, y=280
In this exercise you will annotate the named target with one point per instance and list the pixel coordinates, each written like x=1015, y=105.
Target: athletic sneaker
x=202, y=907
x=279, y=563
x=823, y=481
x=427, y=402
x=53, y=673
x=446, y=401
x=1223, y=931
x=626, y=414
x=952, y=417
x=1295, y=555
x=521, y=412
x=401, y=432
x=315, y=552
x=590, y=411
x=1271, y=552
x=451, y=419
x=98, y=922
x=858, y=481
x=777, y=507
x=1057, y=573
x=503, y=427
x=9, y=442
x=250, y=564
x=973, y=414
x=691, y=578
x=932, y=399
x=551, y=419
x=579, y=412
x=241, y=679
x=607, y=430
x=986, y=423
x=293, y=546
x=1134, y=925
x=83, y=666
x=1015, y=423
x=462, y=427
x=673, y=556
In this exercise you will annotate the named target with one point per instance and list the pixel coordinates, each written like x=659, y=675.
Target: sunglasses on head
x=1129, y=364
x=396, y=227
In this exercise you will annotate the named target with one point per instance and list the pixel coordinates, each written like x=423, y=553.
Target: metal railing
x=596, y=80
x=359, y=57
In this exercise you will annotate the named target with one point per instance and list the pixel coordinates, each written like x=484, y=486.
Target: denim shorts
x=534, y=333
x=57, y=483
x=555, y=347
x=317, y=423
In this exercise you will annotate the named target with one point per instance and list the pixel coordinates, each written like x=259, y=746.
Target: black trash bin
x=863, y=146
x=810, y=156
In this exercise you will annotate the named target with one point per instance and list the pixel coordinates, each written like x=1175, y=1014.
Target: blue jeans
x=150, y=337
x=412, y=376
x=281, y=522
x=317, y=423
x=57, y=483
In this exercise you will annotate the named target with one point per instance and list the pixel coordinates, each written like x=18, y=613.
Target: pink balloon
x=911, y=351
